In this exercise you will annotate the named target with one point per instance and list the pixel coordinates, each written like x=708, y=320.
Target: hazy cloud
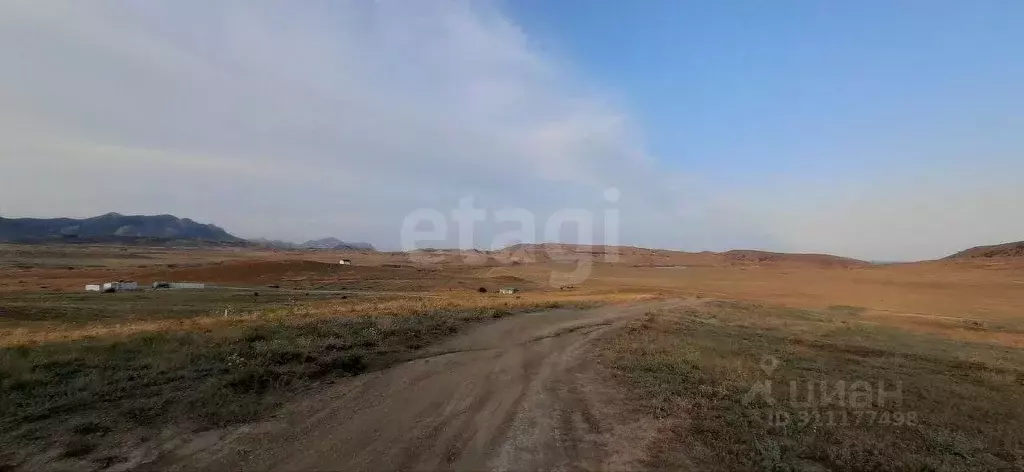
x=324, y=118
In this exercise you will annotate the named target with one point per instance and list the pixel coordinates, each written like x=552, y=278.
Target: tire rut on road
x=515, y=394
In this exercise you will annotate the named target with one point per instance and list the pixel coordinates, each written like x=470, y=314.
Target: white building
x=508, y=291
x=345, y=262
x=186, y=285
x=120, y=286
x=94, y=288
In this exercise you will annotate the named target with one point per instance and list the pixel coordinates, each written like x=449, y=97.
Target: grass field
x=87, y=374
x=742, y=386
x=17, y=309
x=87, y=378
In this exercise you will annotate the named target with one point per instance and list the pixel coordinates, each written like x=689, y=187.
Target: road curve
x=520, y=393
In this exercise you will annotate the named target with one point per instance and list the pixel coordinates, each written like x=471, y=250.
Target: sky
x=876, y=130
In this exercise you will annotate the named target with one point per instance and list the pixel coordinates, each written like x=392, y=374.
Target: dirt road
x=521, y=393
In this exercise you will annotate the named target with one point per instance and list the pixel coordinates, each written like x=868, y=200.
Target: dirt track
x=518, y=394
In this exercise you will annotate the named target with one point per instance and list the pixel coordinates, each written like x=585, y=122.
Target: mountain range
x=325, y=243
x=111, y=227
x=118, y=228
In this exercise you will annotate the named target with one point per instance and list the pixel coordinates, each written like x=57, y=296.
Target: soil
x=1008, y=250
x=522, y=393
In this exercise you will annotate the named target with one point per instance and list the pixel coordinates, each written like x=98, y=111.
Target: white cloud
x=341, y=116
x=303, y=120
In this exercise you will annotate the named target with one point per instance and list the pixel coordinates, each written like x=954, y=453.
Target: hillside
x=642, y=257
x=325, y=243
x=818, y=260
x=1015, y=249
x=335, y=243
x=112, y=227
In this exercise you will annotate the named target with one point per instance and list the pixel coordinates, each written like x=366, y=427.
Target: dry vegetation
x=33, y=319
x=96, y=390
x=87, y=377
x=701, y=374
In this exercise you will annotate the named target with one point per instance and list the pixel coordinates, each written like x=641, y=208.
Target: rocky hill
x=112, y=227
x=325, y=243
x=643, y=257
x=335, y=243
x=1015, y=249
x=817, y=260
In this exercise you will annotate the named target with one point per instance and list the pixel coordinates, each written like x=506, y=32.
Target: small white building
x=345, y=262
x=508, y=291
x=120, y=287
x=94, y=288
x=187, y=285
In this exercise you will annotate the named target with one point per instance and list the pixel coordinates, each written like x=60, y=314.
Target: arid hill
x=662, y=257
x=111, y=227
x=819, y=260
x=632, y=256
x=1015, y=249
x=321, y=244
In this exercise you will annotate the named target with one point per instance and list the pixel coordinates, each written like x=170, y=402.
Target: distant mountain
x=1015, y=249
x=335, y=243
x=643, y=257
x=325, y=243
x=112, y=227
x=274, y=243
x=818, y=260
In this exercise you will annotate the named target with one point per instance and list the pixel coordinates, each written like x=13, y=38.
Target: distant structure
x=187, y=285
x=111, y=287
x=128, y=286
x=345, y=262
x=179, y=285
x=508, y=291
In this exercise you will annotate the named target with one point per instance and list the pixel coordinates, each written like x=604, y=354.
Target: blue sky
x=877, y=130
x=796, y=88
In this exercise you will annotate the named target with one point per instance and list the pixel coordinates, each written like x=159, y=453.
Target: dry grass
x=949, y=404
x=79, y=373
x=85, y=376
x=953, y=290
x=220, y=314
x=88, y=390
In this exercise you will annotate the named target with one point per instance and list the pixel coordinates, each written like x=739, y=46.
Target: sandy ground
x=522, y=393
x=988, y=289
